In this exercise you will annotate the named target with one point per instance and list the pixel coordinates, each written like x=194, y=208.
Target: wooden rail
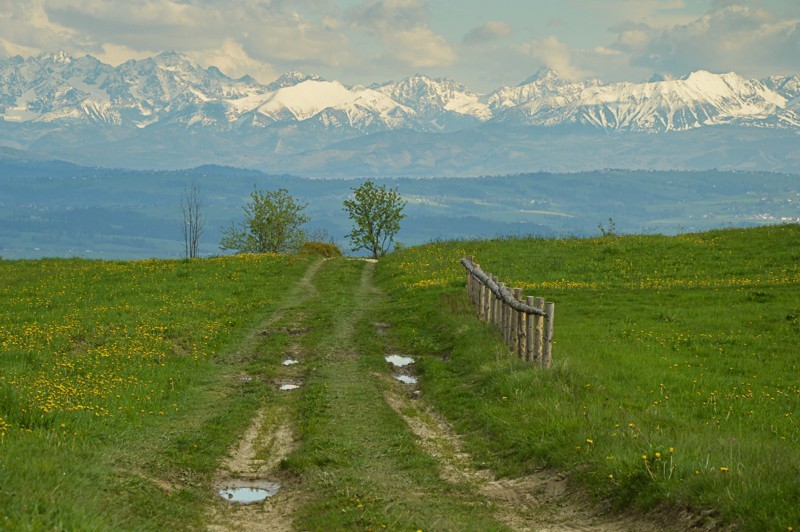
x=525, y=323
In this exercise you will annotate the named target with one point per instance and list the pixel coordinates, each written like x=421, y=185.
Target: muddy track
x=542, y=501
x=253, y=461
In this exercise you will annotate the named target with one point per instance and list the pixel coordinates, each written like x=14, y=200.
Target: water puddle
x=249, y=494
x=407, y=379
x=290, y=362
x=290, y=387
x=398, y=361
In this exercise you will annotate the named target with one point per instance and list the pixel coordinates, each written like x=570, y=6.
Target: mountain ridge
x=54, y=102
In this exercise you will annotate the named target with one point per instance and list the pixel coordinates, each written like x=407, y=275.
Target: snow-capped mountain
x=55, y=102
x=170, y=87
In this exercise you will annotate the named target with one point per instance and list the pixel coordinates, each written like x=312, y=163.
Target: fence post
x=537, y=332
x=503, y=318
x=469, y=277
x=486, y=303
x=529, y=319
x=547, y=356
x=493, y=303
x=521, y=337
x=515, y=323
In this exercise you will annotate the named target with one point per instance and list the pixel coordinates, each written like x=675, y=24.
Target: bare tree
x=193, y=221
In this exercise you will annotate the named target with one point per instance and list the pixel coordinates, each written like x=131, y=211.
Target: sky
x=482, y=44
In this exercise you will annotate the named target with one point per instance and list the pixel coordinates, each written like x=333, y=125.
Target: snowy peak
x=696, y=100
x=170, y=88
x=432, y=98
x=289, y=79
x=543, y=75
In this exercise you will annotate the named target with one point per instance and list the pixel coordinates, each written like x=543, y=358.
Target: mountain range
x=169, y=112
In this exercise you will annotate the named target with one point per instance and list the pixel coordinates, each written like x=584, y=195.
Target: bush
x=321, y=248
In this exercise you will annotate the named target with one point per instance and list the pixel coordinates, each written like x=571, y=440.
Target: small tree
x=376, y=213
x=192, y=221
x=271, y=224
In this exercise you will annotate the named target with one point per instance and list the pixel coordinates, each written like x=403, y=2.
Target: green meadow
x=675, y=382
x=675, y=387
x=115, y=373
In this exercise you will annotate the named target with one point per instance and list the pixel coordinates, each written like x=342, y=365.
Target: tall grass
x=676, y=365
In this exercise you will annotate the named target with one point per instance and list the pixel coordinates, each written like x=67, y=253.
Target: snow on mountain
x=438, y=103
x=539, y=100
x=699, y=99
x=170, y=88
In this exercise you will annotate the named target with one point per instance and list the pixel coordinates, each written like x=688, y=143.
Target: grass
x=358, y=460
x=676, y=372
x=675, y=381
x=113, y=376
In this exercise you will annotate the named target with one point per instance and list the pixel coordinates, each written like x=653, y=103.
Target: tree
x=271, y=224
x=376, y=213
x=192, y=221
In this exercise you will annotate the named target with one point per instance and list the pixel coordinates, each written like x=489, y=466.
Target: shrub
x=321, y=248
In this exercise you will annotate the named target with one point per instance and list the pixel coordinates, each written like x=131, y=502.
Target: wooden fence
x=525, y=323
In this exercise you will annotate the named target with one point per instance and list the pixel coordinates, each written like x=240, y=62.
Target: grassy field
x=113, y=374
x=675, y=383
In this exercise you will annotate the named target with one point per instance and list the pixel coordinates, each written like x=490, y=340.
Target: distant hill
x=53, y=208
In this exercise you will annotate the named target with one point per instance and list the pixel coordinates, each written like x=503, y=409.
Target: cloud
x=752, y=41
x=27, y=26
x=115, y=54
x=491, y=31
x=555, y=55
x=402, y=29
x=232, y=59
x=244, y=34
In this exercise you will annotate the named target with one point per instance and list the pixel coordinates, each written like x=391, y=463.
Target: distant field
x=60, y=210
x=676, y=380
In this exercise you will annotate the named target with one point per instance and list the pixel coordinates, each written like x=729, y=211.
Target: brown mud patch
x=543, y=501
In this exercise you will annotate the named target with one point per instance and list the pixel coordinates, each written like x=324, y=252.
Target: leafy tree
x=271, y=224
x=376, y=213
x=192, y=221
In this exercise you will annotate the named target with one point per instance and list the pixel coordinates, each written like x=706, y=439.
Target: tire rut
x=253, y=461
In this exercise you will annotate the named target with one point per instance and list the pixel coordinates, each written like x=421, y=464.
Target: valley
x=62, y=210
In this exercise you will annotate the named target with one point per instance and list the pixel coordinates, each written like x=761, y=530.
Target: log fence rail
x=525, y=322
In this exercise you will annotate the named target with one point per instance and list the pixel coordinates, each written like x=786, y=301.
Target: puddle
x=407, y=379
x=290, y=386
x=249, y=494
x=290, y=362
x=398, y=361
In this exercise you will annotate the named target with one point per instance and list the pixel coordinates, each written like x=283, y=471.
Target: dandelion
x=724, y=469
x=658, y=456
x=589, y=441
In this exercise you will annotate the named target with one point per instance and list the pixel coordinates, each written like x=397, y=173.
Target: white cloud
x=243, y=34
x=28, y=26
x=489, y=32
x=232, y=59
x=115, y=54
x=401, y=27
x=732, y=36
x=555, y=55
